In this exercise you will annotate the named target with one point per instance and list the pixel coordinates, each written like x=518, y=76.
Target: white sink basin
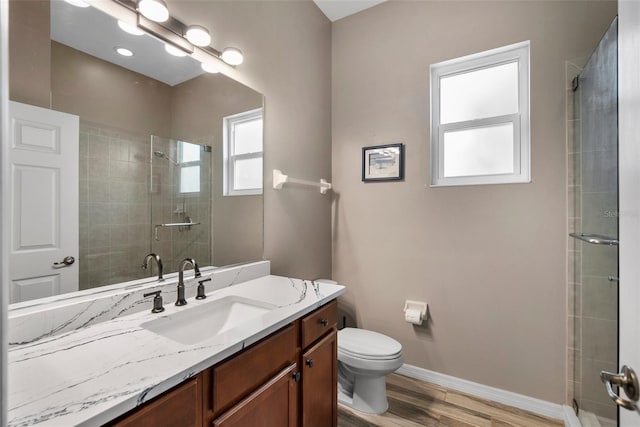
x=192, y=325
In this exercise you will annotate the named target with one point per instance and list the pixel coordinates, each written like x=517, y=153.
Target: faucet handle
x=201, y=294
x=157, y=301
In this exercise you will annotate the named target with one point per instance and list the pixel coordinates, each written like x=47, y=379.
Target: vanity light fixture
x=209, y=68
x=131, y=29
x=78, y=3
x=155, y=10
x=232, y=56
x=198, y=35
x=123, y=51
x=172, y=50
x=152, y=17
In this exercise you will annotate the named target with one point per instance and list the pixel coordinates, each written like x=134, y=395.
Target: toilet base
x=369, y=395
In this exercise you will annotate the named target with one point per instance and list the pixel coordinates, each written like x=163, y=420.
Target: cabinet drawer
x=234, y=379
x=321, y=321
x=180, y=407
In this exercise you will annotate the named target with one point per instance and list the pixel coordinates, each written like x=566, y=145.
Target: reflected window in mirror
x=243, y=153
x=189, y=163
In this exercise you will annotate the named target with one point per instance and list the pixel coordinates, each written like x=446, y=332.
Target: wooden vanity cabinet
x=319, y=368
x=287, y=379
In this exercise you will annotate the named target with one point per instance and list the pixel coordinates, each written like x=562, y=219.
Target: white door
x=43, y=164
x=629, y=187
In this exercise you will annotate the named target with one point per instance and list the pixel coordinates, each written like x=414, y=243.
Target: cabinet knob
x=324, y=322
x=309, y=363
x=296, y=376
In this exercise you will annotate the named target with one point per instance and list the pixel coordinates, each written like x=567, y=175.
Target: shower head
x=162, y=155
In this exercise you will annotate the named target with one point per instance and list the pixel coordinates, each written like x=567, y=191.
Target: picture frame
x=383, y=163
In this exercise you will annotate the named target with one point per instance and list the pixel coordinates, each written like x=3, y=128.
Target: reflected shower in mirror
x=151, y=144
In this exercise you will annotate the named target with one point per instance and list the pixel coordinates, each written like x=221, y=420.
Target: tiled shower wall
x=114, y=205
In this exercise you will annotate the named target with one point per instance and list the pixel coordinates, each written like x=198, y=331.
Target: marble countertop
x=92, y=375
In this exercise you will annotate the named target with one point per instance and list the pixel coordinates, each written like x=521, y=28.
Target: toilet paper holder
x=416, y=305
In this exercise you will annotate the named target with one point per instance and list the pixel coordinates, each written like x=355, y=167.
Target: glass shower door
x=596, y=266
x=180, y=186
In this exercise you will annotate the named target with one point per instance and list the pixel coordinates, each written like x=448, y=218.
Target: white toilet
x=365, y=358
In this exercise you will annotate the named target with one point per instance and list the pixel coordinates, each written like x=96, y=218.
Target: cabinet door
x=180, y=407
x=319, y=383
x=275, y=404
x=235, y=378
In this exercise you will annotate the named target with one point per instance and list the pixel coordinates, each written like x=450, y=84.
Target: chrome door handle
x=628, y=380
x=67, y=261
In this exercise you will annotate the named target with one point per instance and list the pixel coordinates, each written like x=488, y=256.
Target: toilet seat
x=368, y=345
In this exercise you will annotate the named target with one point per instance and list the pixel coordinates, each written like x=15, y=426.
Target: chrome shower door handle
x=628, y=381
x=67, y=261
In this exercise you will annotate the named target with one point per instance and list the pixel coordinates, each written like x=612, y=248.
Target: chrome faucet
x=183, y=264
x=158, y=261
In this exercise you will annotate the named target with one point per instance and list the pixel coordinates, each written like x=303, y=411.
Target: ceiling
x=337, y=9
x=95, y=33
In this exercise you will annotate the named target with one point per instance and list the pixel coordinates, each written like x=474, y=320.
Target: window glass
x=248, y=173
x=477, y=94
x=189, y=152
x=248, y=136
x=190, y=179
x=479, y=151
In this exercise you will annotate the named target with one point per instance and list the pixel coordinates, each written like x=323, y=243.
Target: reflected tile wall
x=114, y=205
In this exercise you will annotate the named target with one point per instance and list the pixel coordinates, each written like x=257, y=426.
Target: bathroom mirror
x=151, y=143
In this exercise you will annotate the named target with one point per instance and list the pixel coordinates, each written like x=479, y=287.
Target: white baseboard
x=538, y=406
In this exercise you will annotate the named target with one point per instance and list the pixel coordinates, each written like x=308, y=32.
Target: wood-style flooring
x=414, y=403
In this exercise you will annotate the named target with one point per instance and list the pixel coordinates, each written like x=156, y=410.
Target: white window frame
x=519, y=53
x=229, y=158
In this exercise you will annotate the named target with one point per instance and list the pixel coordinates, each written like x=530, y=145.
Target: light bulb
x=209, y=68
x=172, y=50
x=232, y=56
x=198, y=35
x=131, y=29
x=78, y=3
x=123, y=51
x=155, y=10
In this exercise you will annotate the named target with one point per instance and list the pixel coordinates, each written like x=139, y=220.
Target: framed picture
x=383, y=163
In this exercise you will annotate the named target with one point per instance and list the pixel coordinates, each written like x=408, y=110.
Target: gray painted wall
x=489, y=260
x=287, y=49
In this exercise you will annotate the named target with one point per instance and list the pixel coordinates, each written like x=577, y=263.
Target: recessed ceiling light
x=155, y=10
x=172, y=50
x=78, y=3
x=209, y=67
x=131, y=29
x=232, y=56
x=198, y=35
x=123, y=51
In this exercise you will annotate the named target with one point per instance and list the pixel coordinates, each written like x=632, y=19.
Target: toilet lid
x=367, y=344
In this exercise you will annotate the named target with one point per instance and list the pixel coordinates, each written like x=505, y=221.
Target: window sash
x=232, y=191
x=514, y=119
